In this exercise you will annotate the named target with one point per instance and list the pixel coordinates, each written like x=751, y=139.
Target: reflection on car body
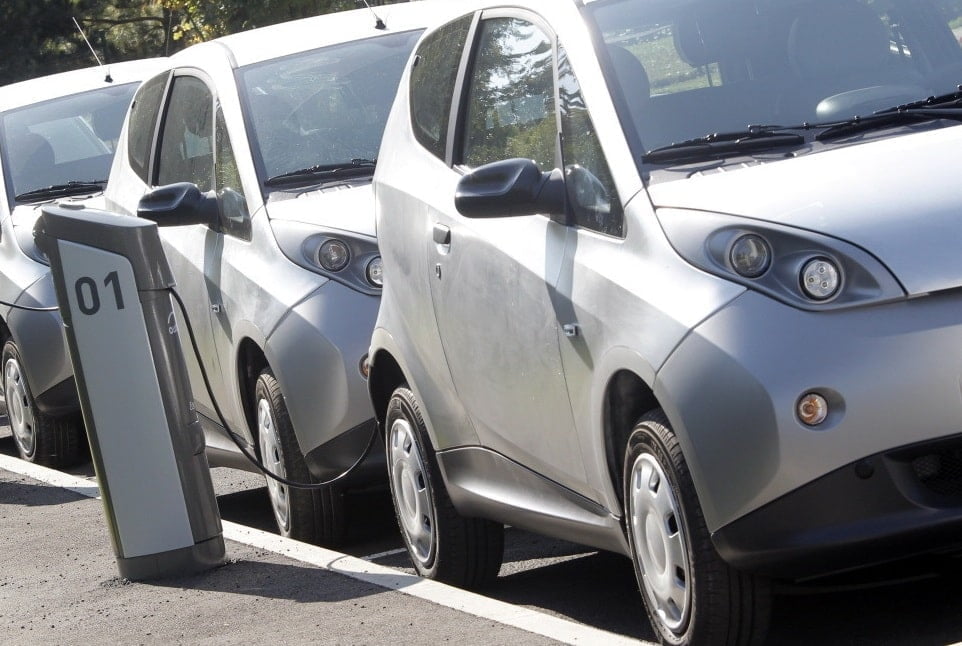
x=677, y=280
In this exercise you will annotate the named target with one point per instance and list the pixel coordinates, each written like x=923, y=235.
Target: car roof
x=44, y=88
x=286, y=38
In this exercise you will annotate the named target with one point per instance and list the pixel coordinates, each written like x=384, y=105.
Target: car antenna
x=380, y=23
x=107, y=78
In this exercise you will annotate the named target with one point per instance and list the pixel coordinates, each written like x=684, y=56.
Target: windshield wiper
x=353, y=168
x=952, y=99
x=72, y=187
x=887, y=118
x=754, y=138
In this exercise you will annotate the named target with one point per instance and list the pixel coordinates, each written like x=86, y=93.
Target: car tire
x=40, y=438
x=691, y=595
x=444, y=545
x=316, y=515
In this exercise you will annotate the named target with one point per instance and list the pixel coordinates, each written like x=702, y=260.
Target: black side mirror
x=510, y=188
x=179, y=204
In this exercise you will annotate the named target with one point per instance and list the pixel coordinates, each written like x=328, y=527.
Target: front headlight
x=333, y=255
x=820, y=278
x=347, y=257
x=750, y=255
x=375, y=272
x=28, y=245
x=799, y=267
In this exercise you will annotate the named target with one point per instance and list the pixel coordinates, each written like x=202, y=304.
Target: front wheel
x=311, y=515
x=443, y=545
x=40, y=438
x=691, y=595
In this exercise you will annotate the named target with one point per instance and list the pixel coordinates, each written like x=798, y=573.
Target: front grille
x=940, y=471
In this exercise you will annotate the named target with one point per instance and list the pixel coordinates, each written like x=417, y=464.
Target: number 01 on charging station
x=113, y=287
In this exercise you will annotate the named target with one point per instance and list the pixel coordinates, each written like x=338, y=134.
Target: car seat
x=633, y=80
x=32, y=159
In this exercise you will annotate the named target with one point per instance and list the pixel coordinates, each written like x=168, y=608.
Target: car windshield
x=701, y=76
x=315, y=113
x=66, y=143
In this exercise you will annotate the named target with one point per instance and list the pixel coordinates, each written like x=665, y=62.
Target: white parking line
x=76, y=484
x=381, y=555
x=478, y=605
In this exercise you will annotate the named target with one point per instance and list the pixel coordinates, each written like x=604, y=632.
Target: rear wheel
x=311, y=515
x=443, y=545
x=691, y=595
x=40, y=438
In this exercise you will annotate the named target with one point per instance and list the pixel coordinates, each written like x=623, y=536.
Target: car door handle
x=442, y=235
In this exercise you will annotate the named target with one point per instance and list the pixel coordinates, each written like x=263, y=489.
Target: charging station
x=113, y=286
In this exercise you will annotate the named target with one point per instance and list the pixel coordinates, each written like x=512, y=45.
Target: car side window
x=433, y=77
x=511, y=107
x=591, y=189
x=187, y=135
x=227, y=182
x=140, y=127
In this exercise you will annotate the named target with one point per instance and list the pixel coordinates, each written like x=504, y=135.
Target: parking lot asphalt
x=59, y=583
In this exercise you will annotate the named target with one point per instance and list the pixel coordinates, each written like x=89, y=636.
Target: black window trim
x=150, y=165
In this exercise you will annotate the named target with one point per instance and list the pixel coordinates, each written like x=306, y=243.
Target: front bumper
x=779, y=496
x=884, y=507
x=40, y=340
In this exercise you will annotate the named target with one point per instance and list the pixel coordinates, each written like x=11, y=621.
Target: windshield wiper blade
x=950, y=100
x=353, y=168
x=886, y=119
x=754, y=138
x=72, y=187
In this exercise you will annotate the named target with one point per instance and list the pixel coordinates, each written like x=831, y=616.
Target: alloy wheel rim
x=270, y=446
x=660, y=543
x=412, y=493
x=19, y=411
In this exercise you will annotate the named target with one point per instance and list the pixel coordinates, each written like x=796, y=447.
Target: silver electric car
x=255, y=153
x=678, y=279
x=57, y=138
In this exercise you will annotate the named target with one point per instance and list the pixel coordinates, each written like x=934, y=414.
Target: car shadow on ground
x=31, y=494
x=923, y=609
x=285, y=581
x=614, y=602
x=370, y=515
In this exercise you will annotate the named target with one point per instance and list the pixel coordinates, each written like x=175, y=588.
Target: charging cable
x=239, y=441
x=27, y=308
x=235, y=438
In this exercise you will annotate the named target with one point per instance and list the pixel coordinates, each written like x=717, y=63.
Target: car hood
x=348, y=207
x=25, y=216
x=899, y=198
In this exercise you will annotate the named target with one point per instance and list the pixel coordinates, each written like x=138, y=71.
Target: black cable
x=238, y=440
x=29, y=309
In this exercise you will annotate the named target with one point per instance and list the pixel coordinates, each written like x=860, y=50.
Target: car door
x=233, y=287
x=494, y=278
x=185, y=153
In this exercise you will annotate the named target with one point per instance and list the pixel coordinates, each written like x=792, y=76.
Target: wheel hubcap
x=19, y=410
x=270, y=446
x=659, y=542
x=412, y=493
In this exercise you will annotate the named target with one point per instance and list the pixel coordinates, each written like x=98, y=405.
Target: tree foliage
x=38, y=37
